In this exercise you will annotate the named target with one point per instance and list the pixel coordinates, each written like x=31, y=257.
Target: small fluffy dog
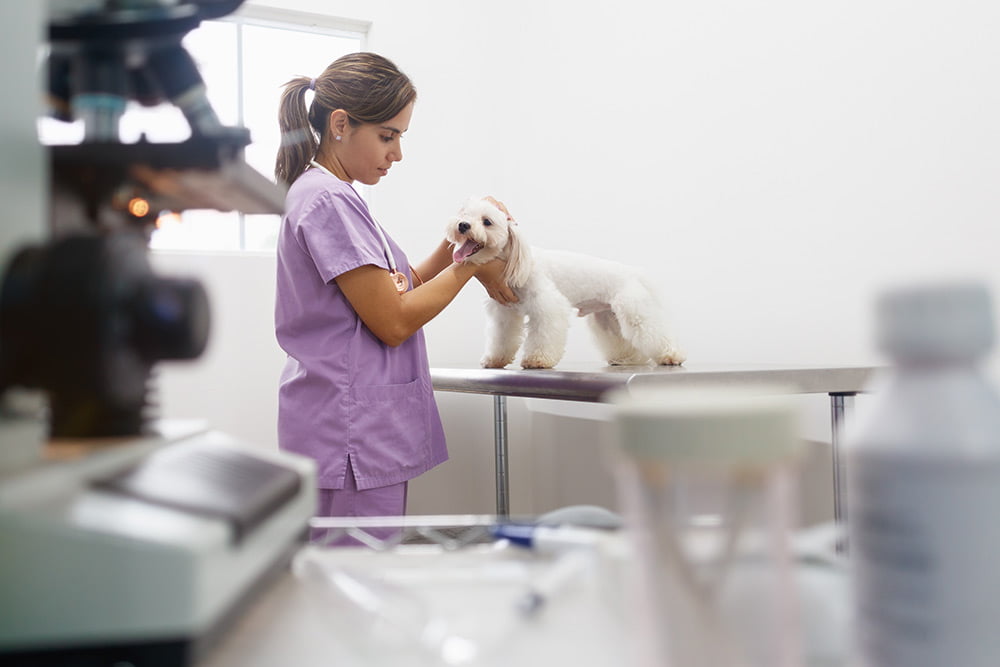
x=627, y=321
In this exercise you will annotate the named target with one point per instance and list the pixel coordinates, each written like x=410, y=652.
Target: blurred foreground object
x=85, y=318
x=82, y=317
x=141, y=551
x=924, y=487
x=707, y=480
x=124, y=540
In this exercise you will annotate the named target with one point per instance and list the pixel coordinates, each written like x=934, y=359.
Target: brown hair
x=369, y=87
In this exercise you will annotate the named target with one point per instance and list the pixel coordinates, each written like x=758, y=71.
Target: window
x=244, y=60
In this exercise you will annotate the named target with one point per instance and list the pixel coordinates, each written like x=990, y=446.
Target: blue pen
x=576, y=548
x=556, y=577
x=548, y=539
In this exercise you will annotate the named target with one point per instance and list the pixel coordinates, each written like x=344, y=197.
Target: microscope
x=125, y=539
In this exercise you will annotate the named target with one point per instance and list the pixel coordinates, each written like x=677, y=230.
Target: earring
x=337, y=137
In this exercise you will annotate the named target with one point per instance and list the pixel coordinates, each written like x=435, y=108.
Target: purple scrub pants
x=353, y=502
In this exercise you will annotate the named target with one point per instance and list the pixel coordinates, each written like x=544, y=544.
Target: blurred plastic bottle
x=708, y=487
x=924, y=488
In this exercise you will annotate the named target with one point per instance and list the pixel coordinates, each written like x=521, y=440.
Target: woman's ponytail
x=299, y=140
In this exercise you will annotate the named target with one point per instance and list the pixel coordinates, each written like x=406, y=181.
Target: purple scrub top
x=346, y=399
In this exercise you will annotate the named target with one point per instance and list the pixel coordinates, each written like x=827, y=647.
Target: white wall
x=775, y=163
x=234, y=384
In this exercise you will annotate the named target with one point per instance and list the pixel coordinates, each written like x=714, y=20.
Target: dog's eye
x=487, y=222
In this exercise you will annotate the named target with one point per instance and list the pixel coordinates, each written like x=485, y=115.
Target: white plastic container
x=707, y=481
x=924, y=488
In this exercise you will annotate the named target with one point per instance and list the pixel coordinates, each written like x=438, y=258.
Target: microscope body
x=126, y=538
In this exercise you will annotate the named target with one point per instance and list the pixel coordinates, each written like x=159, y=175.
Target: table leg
x=500, y=449
x=839, y=405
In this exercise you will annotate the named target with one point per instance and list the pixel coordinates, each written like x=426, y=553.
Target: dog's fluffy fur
x=628, y=323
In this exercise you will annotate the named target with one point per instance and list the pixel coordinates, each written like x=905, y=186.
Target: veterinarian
x=355, y=393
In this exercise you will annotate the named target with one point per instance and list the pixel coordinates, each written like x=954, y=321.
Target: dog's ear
x=518, y=258
x=450, y=229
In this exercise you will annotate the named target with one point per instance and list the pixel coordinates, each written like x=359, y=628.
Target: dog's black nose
x=463, y=227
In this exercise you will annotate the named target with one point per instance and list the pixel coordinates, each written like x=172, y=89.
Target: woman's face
x=367, y=151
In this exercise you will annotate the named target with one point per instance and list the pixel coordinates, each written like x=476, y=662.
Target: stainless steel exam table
x=590, y=384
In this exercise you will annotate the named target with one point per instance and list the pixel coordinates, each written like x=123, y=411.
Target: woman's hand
x=490, y=275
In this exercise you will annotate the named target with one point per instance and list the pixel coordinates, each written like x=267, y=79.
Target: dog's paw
x=494, y=362
x=673, y=358
x=628, y=360
x=534, y=361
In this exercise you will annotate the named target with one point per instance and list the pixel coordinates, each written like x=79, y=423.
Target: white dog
x=624, y=315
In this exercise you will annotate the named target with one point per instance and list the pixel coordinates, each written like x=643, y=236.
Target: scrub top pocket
x=390, y=434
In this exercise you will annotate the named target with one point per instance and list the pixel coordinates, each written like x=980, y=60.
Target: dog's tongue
x=463, y=253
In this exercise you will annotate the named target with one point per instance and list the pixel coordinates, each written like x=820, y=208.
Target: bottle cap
x=936, y=322
x=714, y=425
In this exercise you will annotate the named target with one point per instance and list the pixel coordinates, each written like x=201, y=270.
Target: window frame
x=280, y=19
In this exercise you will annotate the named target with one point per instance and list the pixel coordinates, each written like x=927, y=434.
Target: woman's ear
x=339, y=122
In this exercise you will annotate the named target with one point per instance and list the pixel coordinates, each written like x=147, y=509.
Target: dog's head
x=481, y=232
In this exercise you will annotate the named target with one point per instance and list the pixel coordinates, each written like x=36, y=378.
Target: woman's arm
x=438, y=261
x=394, y=317
x=490, y=275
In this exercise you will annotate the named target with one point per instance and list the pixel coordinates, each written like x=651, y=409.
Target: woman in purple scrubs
x=355, y=394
